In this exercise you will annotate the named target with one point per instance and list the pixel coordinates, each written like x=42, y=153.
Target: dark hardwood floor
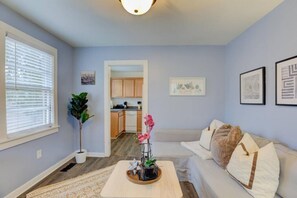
x=126, y=147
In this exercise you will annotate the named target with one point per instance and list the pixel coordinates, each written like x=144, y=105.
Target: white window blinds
x=29, y=77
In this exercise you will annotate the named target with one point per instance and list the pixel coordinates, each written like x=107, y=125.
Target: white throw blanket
x=197, y=149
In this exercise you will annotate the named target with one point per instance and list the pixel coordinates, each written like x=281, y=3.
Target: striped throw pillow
x=257, y=170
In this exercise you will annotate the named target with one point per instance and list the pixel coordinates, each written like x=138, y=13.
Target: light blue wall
x=271, y=39
x=164, y=62
x=19, y=164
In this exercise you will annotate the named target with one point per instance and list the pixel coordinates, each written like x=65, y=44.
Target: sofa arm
x=176, y=135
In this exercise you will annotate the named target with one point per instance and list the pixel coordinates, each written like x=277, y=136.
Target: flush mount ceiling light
x=137, y=7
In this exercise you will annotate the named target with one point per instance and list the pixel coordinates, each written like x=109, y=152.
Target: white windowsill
x=20, y=139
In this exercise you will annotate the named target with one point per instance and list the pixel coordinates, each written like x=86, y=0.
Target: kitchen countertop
x=127, y=109
x=116, y=110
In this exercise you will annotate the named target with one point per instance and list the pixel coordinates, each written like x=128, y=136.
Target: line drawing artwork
x=187, y=86
x=286, y=82
x=289, y=82
x=251, y=87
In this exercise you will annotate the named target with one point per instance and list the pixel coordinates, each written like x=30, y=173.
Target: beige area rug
x=84, y=186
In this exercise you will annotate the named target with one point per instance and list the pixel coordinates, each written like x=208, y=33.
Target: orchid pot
x=148, y=167
x=148, y=173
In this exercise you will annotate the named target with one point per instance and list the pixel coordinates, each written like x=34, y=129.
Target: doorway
x=112, y=69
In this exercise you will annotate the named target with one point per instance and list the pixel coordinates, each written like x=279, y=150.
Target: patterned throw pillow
x=223, y=143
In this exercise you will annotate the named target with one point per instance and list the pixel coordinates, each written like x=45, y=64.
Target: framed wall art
x=87, y=78
x=252, y=87
x=187, y=86
x=286, y=82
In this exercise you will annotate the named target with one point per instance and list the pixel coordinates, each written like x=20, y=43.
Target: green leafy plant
x=149, y=162
x=78, y=108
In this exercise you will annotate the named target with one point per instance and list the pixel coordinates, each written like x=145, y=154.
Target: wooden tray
x=135, y=179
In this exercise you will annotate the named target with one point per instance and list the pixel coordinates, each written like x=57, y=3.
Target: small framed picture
x=187, y=86
x=87, y=78
x=286, y=82
x=252, y=87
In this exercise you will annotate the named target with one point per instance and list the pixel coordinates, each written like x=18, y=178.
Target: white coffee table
x=118, y=184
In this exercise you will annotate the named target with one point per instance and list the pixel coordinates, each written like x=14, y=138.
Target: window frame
x=10, y=140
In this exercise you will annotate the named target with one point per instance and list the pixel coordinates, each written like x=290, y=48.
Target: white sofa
x=208, y=178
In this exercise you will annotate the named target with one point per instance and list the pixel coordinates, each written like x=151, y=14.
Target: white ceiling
x=89, y=23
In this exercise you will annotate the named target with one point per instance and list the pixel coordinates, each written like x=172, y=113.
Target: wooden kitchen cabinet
x=114, y=125
x=128, y=88
x=138, y=87
x=139, y=121
x=117, y=123
x=121, y=122
x=116, y=88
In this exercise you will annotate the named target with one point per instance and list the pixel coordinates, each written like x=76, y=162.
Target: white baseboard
x=95, y=154
x=20, y=190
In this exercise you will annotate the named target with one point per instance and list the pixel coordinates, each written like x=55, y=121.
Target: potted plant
x=148, y=166
x=78, y=108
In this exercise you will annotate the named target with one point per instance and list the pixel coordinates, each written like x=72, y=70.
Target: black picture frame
x=253, y=87
x=286, y=82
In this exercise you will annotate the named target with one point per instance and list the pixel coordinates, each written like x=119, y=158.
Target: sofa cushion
x=170, y=149
x=223, y=143
x=196, y=148
x=173, y=151
x=288, y=174
x=257, y=170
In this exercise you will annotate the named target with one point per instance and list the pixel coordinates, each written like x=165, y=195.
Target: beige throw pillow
x=257, y=170
x=207, y=134
x=205, y=138
x=215, y=124
x=223, y=143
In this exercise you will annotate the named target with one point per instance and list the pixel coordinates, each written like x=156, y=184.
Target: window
x=30, y=88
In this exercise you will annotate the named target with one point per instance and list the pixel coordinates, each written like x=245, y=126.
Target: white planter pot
x=81, y=157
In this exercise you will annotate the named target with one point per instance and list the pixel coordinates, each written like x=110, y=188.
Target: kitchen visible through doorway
x=127, y=98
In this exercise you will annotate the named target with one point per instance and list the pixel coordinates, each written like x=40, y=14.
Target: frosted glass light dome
x=137, y=7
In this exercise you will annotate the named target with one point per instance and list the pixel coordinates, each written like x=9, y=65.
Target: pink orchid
x=142, y=137
x=149, y=122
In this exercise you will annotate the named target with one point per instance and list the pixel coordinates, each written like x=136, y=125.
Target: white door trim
x=107, y=64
